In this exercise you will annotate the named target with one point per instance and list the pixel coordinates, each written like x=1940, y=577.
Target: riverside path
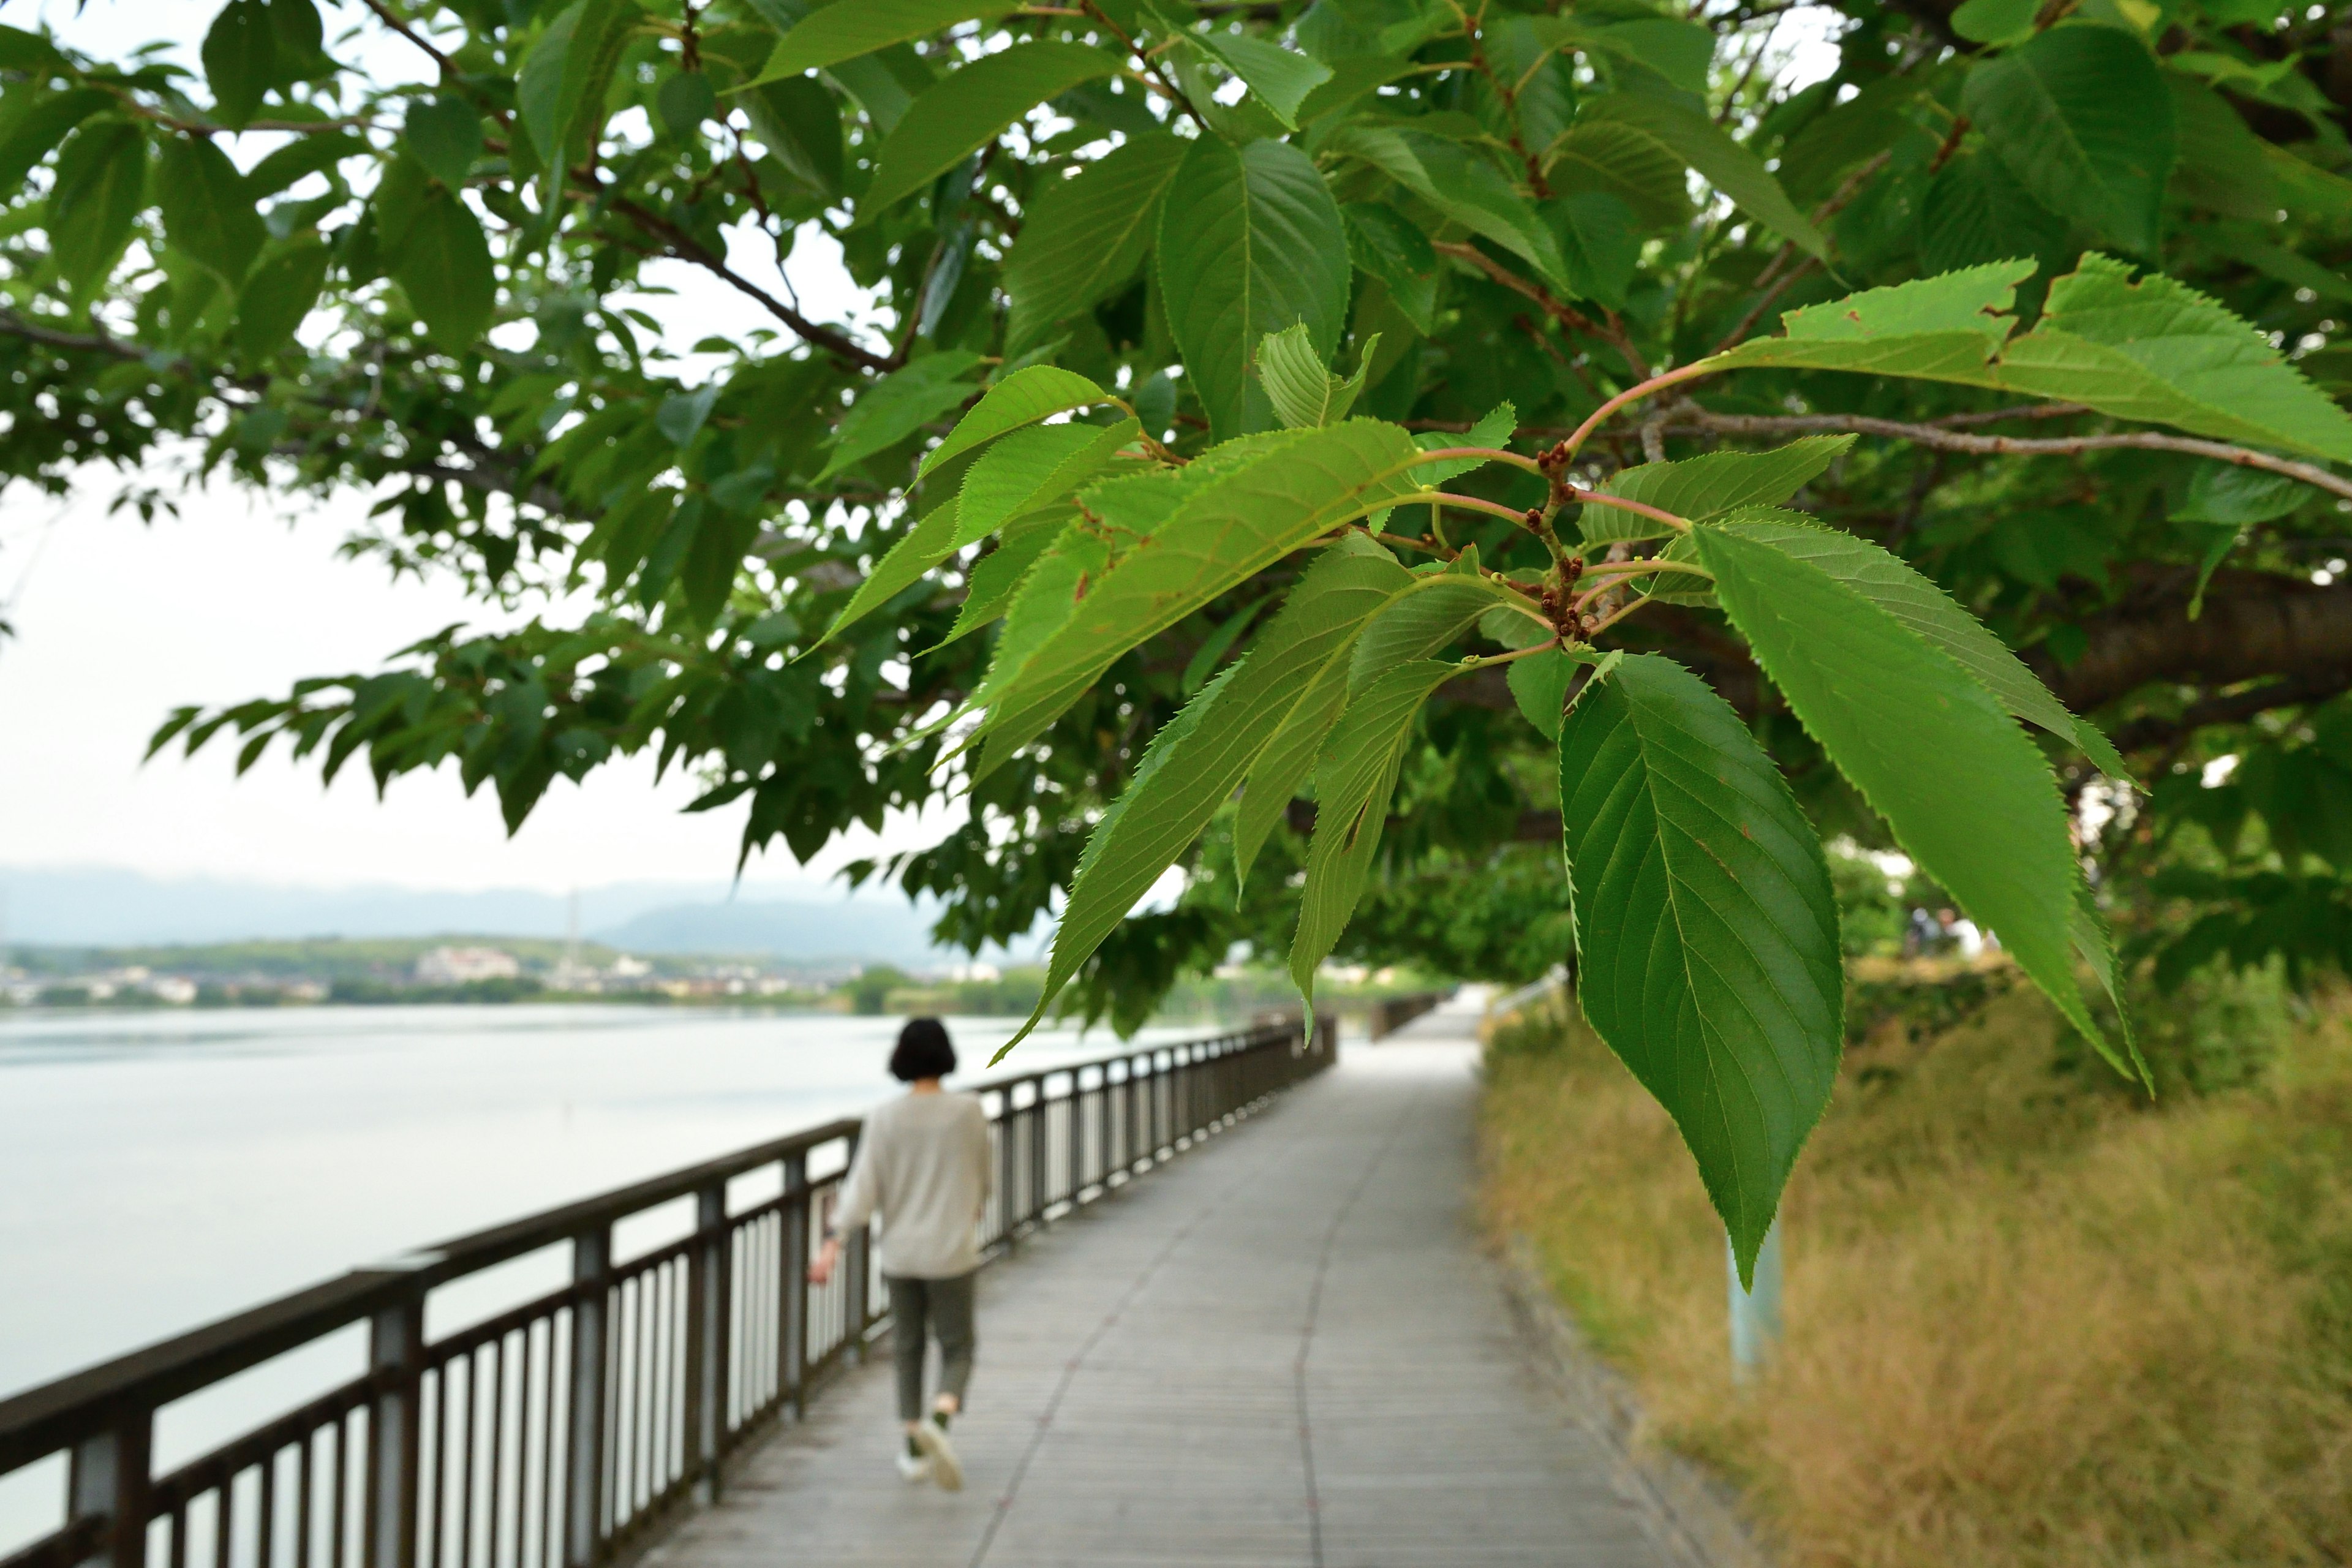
x=1286, y=1348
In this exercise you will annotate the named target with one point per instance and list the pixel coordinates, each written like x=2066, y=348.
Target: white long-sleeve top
x=923, y=1165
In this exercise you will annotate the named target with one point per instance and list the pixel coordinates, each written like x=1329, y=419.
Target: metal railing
x=557, y=1433
x=1390, y=1013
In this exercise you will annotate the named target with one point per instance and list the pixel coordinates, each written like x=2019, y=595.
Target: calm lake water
x=161, y=1169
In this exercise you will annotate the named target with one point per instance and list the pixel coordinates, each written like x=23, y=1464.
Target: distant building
x=463, y=965
x=176, y=989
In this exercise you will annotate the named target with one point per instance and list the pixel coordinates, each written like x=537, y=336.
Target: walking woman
x=922, y=1164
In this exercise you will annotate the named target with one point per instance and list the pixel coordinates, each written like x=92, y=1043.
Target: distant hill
x=806, y=922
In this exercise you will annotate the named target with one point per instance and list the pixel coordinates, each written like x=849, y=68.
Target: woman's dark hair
x=924, y=1051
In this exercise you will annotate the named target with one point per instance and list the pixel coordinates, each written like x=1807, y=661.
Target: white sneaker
x=912, y=1470
x=940, y=1454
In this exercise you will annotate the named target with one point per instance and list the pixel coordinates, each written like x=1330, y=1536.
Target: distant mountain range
x=796, y=921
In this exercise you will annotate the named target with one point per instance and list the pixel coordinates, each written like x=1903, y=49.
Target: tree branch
x=1690, y=416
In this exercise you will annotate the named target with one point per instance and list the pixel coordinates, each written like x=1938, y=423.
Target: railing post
x=1037, y=1151
x=792, y=1295
x=395, y=1357
x=109, y=1479
x=1008, y=1154
x=710, y=1293
x=1075, y=1120
x=583, y=1481
x=856, y=1255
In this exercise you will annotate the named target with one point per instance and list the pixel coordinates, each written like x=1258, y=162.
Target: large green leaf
x=443, y=134
x=1945, y=328
x=1022, y=398
x=1280, y=78
x=31, y=133
x=101, y=181
x=1968, y=796
x=2156, y=350
x=964, y=110
x=1221, y=530
x=240, y=59
x=277, y=297
x=207, y=212
x=1706, y=930
x=2159, y=351
x=996, y=576
x=1034, y=467
x=931, y=540
x=443, y=263
x=1710, y=485
x=1894, y=585
x=1603, y=157
x=1433, y=611
x=1460, y=185
x=1700, y=145
x=899, y=404
x=849, y=29
x=2083, y=118
x=1084, y=237
x=1354, y=779
x=1250, y=242
x=1194, y=765
x=562, y=84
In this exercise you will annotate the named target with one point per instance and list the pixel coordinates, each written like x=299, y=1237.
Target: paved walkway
x=1283, y=1348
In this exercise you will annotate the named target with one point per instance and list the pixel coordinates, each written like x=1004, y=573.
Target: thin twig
x=1560, y=310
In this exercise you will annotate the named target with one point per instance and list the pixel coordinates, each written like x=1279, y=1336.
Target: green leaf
x=714, y=559
x=1695, y=141
x=1994, y=21
x=277, y=297
x=1711, y=485
x=997, y=577
x=1423, y=617
x=1538, y=685
x=302, y=155
x=1250, y=242
x=1603, y=157
x=965, y=109
x=1280, y=78
x=561, y=87
x=1459, y=184
x=1022, y=398
x=445, y=134
x=1947, y=328
x=102, y=183
x=206, y=213
x=1354, y=779
x=1084, y=237
x=1707, y=930
x=1384, y=242
x=801, y=123
x=443, y=264
x=1174, y=792
x=1187, y=542
x=2159, y=351
x=1194, y=765
x=1305, y=394
x=899, y=404
x=1599, y=245
x=240, y=58
x=920, y=548
x=844, y=31
x=1034, y=467
x=1976, y=212
x=2083, y=118
x=1968, y=796
x=1915, y=600
x=33, y=133
x=1315, y=647
x=684, y=101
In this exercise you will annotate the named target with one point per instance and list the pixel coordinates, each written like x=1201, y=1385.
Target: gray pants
x=944, y=1306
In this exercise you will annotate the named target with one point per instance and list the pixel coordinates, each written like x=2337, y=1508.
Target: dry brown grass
x=2028, y=1321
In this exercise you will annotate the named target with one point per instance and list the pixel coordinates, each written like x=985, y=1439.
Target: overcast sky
x=118, y=622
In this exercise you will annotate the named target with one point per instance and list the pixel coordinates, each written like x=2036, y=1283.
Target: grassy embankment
x=2030, y=1320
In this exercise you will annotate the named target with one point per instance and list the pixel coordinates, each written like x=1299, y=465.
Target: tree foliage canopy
x=1493, y=424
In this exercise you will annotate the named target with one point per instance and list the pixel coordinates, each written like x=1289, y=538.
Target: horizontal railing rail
x=556, y=1433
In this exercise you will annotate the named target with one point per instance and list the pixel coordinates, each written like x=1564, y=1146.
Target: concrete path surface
x=1282, y=1348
